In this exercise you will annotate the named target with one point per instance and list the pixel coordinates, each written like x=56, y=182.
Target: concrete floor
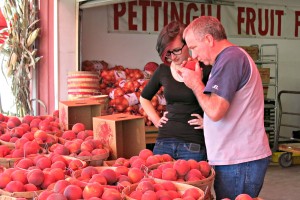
x=281, y=183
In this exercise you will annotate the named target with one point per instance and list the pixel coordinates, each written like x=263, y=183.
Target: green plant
x=19, y=49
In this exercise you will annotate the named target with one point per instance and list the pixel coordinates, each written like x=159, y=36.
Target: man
x=233, y=102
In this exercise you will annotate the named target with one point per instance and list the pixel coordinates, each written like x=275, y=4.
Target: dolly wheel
x=285, y=159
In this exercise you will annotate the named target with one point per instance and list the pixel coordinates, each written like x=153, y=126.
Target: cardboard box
x=253, y=51
x=265, y=75
x=123, y=134
x=78, y=111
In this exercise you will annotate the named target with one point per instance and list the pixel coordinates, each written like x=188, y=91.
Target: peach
x=138, y=163
x=121, y=162
x=57, y=173
x=193, y=164
x=204, y=168
x=174, y=194
x=73, y=147
x=29, y=136
x=149, y=195
x=48, y=180
x=45, y=194
x=24, y=163
x=122, y=170
x=19, y=144
x=190, y=64
x=36, y=177
x=144, y=186
x=2, y=118
x=56, y=196
x=5, y=137
x=99, y=179
x=73, y=192
x=13, y=122
x=17, y=153
x=145, y=153
x=4, y=151
x=132, y=159
x=135, y=174
x=76, y=128
x=60, y=149
x=92, y=190
x=13, y=139
x=156, y=173
x=123, y=178
x=60, y=186
x=182, y=167
x=99, y=151
x=110, y=176
x=30, y=187
x=167, y=158
x=31, y=147
x=82, y=135
x=164, y=166
x=35, y=123
x=85, y=153
x=44, y=125
x=168, y=185
x=75, y=165
x=4, y=179
x=44, y=163
x=163, y=194
x=40, y=134
x=58, y=164
x=243, y=197
x=158, y=186
x=69, y=135
x=152, y=160
x=17, y=132
x=193, y=174
x=111, y=194
x=27, y=119
x=88, y=172
x=19, y=175
x=87, y=145
x=56, y=157
x=169, y=174
x=25, y=127
x=15, y=186
x=192, y=192
x=136, y=194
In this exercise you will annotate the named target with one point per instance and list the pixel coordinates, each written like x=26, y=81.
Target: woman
x=180, y=131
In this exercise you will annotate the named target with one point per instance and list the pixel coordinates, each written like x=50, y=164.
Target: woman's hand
x=162, y=120
x=197, y=122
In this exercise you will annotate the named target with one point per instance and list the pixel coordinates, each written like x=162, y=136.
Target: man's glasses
x=175, y=52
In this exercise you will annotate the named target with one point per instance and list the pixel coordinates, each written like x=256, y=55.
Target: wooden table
x=151, y=133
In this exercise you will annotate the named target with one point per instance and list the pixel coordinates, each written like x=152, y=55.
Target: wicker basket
x=181, y=187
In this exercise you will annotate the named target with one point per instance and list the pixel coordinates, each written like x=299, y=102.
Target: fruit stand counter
x=151, y=134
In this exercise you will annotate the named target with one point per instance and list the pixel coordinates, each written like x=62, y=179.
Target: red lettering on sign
x=144, y=5
x=240, y=19
x=297, y=23
x=279, y=13
x=190, y=6
x=166, y=6
x=131, y=15
x=156, y=5
x=250, y=19
x=261, y=21
x=174, y=12
x=118, y=13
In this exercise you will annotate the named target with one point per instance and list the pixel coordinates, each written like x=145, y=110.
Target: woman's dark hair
x=167, y=35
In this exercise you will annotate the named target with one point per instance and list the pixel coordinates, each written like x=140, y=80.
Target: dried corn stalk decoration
x=19, y=49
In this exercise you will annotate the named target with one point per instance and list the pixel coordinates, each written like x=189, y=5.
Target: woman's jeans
x=244, y=178
x=178, y=149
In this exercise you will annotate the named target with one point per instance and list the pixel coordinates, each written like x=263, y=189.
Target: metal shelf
x=268, y=55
